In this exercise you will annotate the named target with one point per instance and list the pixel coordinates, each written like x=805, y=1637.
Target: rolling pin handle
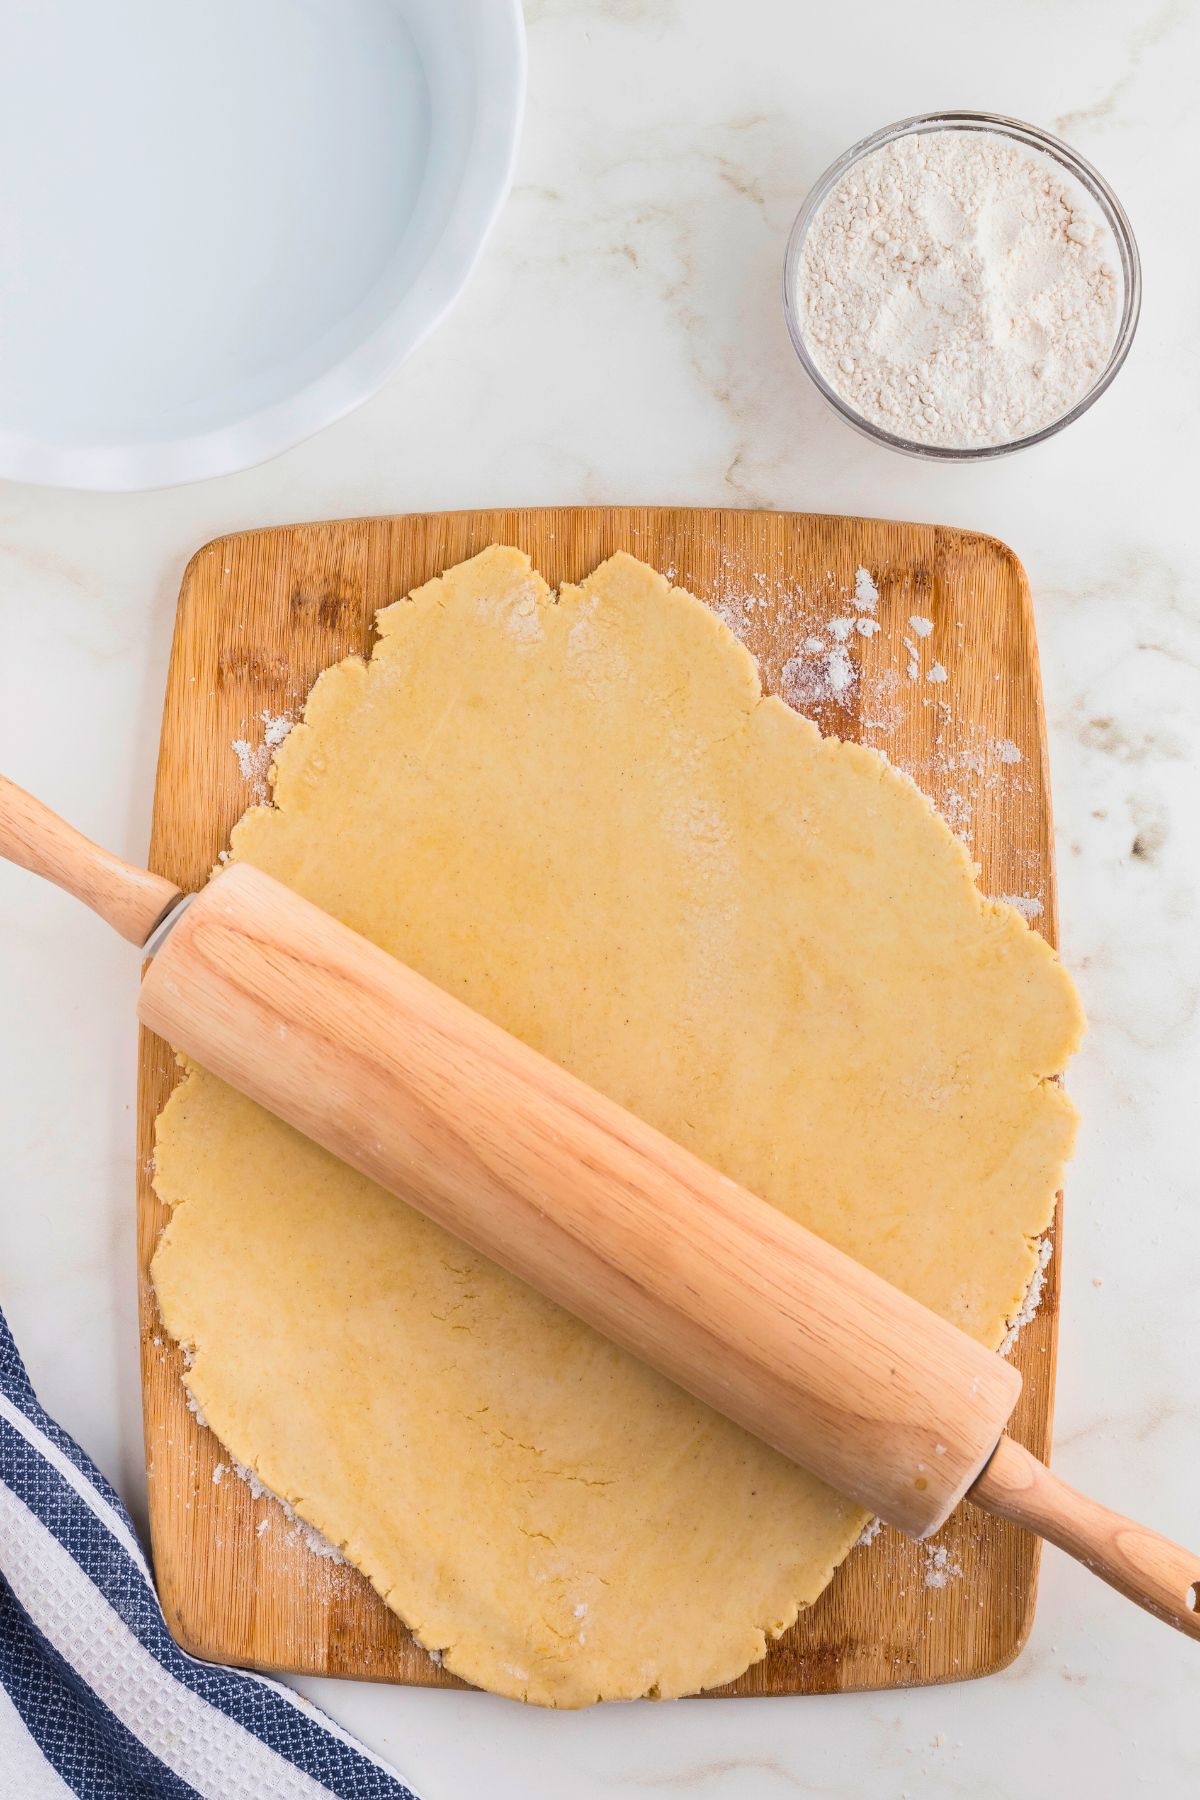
x=1148, y=1569
x=129, y=899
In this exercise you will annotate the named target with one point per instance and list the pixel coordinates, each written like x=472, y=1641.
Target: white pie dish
x=224, y=225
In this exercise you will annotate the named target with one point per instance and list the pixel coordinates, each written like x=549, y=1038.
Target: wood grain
x=1147, y=1568
x=260, y=614
x=129, y=899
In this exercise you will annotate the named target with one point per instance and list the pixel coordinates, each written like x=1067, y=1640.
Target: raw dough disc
x=582, y=817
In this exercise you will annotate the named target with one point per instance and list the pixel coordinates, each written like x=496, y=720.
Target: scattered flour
x=308, y=1534
x=1028, y=905
x=248, y=759
x=196, y=1409
x=320, y=1546
x=276, y=729
x=254, y=760
x=735, y=613
x=1033, y=1298
x=828, y=676
x=518, y=615
x=822, y=678
x=840, y=672
x=940, y=1567
x=865, y=591
x=869, y=1532
x=957, y=811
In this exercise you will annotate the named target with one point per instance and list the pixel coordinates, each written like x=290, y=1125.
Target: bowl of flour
x=961, y=285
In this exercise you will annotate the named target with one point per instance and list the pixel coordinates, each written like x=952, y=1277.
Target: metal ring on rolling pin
x=166, y=925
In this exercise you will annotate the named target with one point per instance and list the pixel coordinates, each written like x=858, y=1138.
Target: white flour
x=1033, y=1297
x=940, y=1567
x=865, y=591
x=1028, y=905
x=957, y=289
x=254, y=760
x=828, y=676
x=830, y=671
x=308, y=1534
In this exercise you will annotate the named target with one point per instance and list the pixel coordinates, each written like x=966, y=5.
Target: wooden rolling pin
x=767, y=1323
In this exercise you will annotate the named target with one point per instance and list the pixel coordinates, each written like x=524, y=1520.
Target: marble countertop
x=623, y=341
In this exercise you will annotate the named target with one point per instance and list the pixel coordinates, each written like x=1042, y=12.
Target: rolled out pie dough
x=581, y=815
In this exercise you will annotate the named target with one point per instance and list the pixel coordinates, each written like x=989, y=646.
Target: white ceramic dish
x=223, y=225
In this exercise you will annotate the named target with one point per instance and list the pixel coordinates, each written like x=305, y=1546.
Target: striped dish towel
x=96, y=1698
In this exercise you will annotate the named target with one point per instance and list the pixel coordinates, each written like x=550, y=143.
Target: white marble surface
x=623, y=341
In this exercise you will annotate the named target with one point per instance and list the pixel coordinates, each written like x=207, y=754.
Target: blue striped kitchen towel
x=96, y=1698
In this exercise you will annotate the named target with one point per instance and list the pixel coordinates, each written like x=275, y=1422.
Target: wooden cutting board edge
x=817, y=1665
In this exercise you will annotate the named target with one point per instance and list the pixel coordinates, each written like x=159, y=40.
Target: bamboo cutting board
x=947, y=685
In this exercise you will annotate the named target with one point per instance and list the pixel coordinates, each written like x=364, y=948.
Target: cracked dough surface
x=580, y=815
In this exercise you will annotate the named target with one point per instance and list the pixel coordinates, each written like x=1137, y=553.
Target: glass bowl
x=1076, y=166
